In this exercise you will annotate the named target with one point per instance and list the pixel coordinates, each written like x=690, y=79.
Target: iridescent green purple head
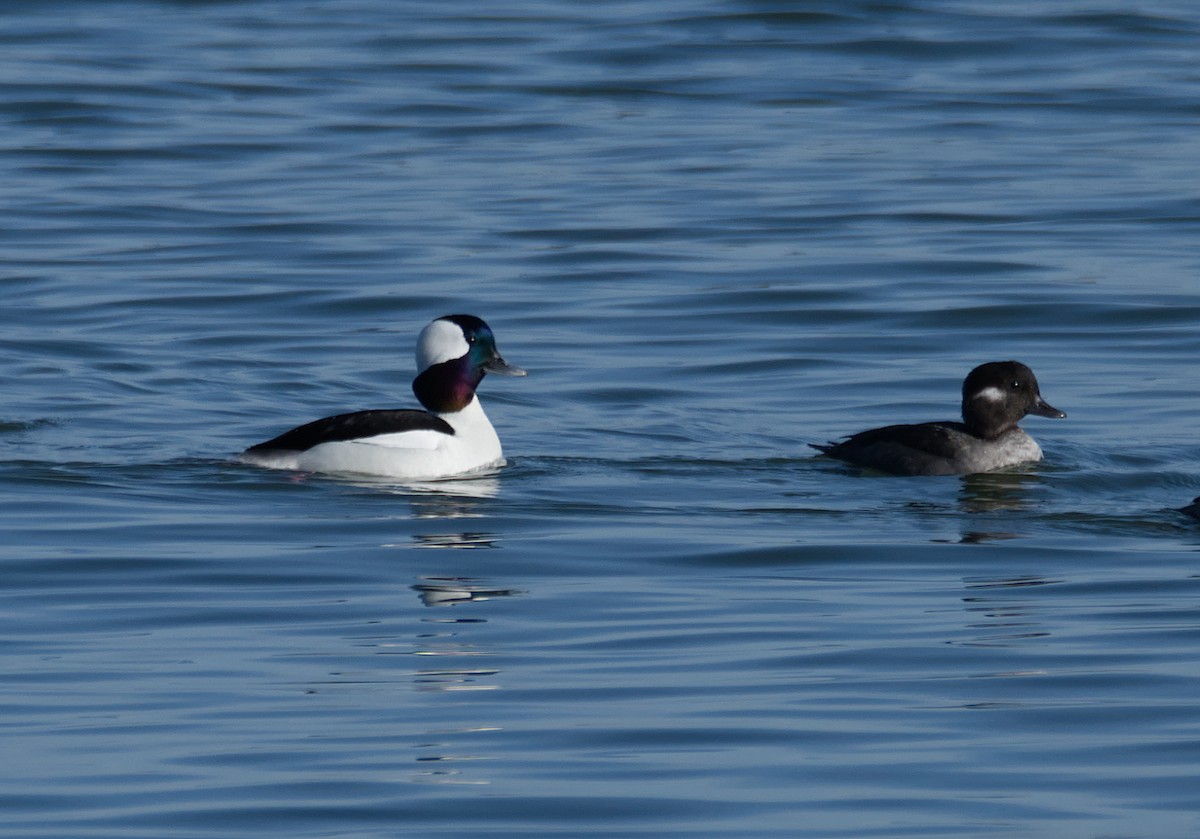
x=454, y=353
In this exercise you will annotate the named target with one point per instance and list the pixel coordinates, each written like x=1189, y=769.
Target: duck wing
x=358, y=425
x=924, y=449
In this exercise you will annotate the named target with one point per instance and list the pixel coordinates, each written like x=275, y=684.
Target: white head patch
x=991, y=394
x=441, y=341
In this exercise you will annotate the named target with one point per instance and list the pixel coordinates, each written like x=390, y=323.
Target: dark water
x=713, y=233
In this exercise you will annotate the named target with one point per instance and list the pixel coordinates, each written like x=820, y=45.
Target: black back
x=354, y=426
x=924, y=449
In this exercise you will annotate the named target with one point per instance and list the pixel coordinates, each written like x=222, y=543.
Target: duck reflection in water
x=987, y=492
x=998, y=616
x=454, y=591
x=454, y=541
x=994, y=492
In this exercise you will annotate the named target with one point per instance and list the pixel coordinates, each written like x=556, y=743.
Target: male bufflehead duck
x=995, y=397
x=451, y=437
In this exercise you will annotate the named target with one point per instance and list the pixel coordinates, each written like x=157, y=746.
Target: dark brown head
x=998, y=394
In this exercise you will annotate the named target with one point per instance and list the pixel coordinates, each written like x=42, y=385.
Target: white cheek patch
x=991, y=394
x=441, y=341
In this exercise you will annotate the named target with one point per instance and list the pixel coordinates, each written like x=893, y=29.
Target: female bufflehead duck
x=995, y=397
x=1192, y=509
x=451, y=437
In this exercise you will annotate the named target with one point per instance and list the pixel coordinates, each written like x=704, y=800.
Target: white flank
x=408, y=454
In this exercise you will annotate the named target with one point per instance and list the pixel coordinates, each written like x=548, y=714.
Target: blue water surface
x=714, y=233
